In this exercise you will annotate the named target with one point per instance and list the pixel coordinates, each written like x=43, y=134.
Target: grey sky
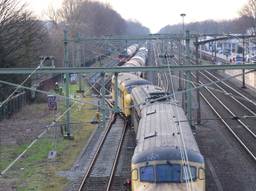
x=155, y=14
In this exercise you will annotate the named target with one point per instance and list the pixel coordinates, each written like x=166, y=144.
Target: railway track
x=100, y=173
x=236, y=110
x=233, y=112
x=225, y=158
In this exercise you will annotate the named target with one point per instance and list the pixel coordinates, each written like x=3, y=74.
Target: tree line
x=24, y=38
x=245, y=23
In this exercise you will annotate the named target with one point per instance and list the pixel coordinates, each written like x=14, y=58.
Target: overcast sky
x=156, y=14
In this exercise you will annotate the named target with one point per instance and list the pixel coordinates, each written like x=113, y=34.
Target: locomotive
x=166, y=156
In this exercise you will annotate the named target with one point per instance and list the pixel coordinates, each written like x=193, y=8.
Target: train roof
x=129, y=79
x=123, y=77
x=166, y=153
x=148, y=93
x=161, y=129
x=140, y=81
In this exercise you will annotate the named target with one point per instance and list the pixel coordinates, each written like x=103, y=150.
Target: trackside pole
x=198, y=116
x=103, y=108
x=66, y=81
x=116, y=109
x=188, y=81
x=79, y=64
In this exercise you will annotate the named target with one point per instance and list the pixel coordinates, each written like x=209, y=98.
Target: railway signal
x=52, y=102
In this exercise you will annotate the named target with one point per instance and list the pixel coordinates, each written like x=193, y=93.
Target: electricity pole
x=198, y=116
x=188, y=96
x=243, y=77
x=66, y=81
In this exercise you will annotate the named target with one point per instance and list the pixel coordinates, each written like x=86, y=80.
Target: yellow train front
x=166, y=156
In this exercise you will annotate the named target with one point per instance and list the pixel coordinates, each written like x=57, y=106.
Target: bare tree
x=249, y=10
x=22, y=37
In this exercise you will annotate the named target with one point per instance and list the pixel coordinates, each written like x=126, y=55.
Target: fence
x=13, y=105
x=19, y=100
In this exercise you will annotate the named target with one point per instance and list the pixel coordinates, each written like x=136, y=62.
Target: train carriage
x=160, y=160
x=140, y=95
x=128, y=53
x=126, y=82
x=166, y=156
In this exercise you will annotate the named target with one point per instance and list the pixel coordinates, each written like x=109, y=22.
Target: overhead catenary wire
x=35, y=140
x=52, y=124
x=181, y=134
x=20, y=85
x=52, y=93
x=191, y=89
x=182, y=147
x=134, y=105
x=182, y=143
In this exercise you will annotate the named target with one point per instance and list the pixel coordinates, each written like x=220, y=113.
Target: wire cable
x=53, y=123
x=20, y=85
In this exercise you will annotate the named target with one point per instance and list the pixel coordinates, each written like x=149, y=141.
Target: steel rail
x=226, y=125
x=117, y=157
x=233, y=115
x=94, y=159
x=233, y=89
x=231, y=96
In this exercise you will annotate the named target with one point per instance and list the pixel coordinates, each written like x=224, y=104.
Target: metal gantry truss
x=115, y=70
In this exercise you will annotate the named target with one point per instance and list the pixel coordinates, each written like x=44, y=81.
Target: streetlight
x=183, y=26
x=181, y=50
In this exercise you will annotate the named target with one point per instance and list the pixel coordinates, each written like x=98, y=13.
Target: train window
x=168, y=173
x=129, y=89
x=201, y=174
x=147, y=174
x=135, y=174
x=186, y=173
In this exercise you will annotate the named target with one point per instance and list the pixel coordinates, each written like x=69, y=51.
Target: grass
x=8, y=152
x=34, y=171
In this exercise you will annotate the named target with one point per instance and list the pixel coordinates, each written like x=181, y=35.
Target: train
x=166, y=155
x=126, y=81
x=127, y=53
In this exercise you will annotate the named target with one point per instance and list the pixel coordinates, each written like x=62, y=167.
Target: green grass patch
x=8, y=152
x=34, y=171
